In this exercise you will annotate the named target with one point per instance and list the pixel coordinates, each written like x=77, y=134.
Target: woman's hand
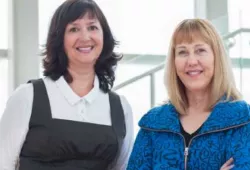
x=228, y=165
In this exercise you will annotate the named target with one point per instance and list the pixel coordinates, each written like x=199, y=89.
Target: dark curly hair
x=55, y=62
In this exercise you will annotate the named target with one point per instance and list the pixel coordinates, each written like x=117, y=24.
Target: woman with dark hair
x=70, y=119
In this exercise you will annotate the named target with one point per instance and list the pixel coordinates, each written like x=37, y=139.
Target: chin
x=86, y=61
x=197, y=88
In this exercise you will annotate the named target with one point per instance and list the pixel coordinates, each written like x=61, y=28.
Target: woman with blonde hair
x=205, y=124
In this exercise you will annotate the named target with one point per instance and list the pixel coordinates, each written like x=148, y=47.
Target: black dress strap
x=118, y=121
x=117, y=115
x=41, y=111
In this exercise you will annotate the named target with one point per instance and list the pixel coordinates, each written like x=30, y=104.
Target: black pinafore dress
x=57, y=144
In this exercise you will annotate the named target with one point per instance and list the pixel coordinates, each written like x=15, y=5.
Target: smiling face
x=194, y=63
x=197, y=62
x=83, y=41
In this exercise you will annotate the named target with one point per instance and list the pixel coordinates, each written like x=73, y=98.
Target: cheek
x=98, y=36
x=179, y=65
x=67, y=44
x=212, y=69
x=99, y=39
x=210, y=66
x=100, y=42
x=210, y=61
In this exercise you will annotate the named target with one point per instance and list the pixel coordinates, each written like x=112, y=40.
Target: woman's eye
x=74, y=29
x=93, y=27
x=201, y=50
x=182, y=52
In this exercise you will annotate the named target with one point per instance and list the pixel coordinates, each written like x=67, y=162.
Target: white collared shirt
x=65, y=104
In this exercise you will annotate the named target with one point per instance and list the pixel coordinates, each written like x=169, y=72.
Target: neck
x=198, y=101
x=83, y=80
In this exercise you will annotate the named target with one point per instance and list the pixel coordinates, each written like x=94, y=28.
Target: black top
x=57, y=144
x=188, y=136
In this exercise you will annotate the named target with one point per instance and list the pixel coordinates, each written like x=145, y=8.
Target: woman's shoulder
x=22, y=91
x=161, y=109
x=158, y=117
x=125, y=105
x=25, y=90
x=237, y=108
x=20, y=100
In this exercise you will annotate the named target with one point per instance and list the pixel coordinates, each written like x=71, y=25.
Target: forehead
x=88, y=17
x=195, y=43
x=187, y=35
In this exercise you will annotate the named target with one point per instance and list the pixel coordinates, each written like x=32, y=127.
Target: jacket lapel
x=227, y=115
x=224, y=115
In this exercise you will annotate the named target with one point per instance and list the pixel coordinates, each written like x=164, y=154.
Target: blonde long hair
x=222, y=82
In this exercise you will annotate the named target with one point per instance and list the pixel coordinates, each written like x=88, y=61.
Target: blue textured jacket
x=160, y=145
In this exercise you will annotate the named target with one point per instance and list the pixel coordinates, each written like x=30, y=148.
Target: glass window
x=245, y=45
x=4, y=83
x=4, y=24
x=239, y=18
x=238, y=12
x=237, y=77
x=145, y=26
x=3, y=61
x=245, y=84
x=46, y=10
x=138, y=95
x=160, y=90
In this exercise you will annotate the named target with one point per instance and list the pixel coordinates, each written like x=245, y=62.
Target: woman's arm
x=128, y=141
x=141, y=156
x=239, y=148
x=14, y=126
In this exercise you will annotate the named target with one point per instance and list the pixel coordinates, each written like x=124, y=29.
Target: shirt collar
x=72, y=97
x=91, y=96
